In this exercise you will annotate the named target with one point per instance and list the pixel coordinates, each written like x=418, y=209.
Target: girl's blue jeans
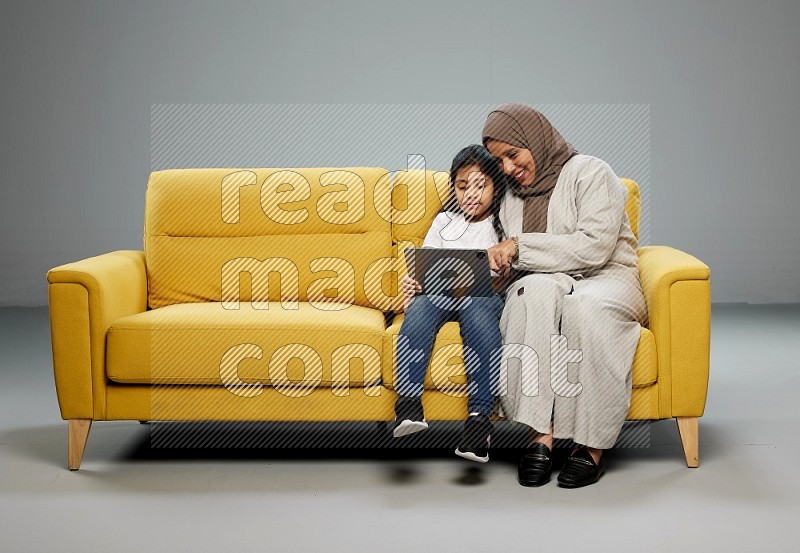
x=479, y=322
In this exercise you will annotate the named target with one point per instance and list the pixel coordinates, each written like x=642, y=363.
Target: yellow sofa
x=270, y=295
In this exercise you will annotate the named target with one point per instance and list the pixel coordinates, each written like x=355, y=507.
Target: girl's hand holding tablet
x=410, y=289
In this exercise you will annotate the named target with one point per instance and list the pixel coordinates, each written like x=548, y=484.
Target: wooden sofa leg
x=688, y=428
x=78, y=434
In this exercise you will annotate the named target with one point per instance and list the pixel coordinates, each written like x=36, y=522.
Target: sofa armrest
x=677, y=289
x=85, y=298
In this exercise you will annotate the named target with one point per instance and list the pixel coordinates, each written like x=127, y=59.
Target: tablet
x=450, y=272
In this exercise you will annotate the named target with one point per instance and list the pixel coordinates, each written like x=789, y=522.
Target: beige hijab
x=525, y=127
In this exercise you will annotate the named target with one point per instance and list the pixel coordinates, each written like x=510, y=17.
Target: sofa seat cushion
x=204, y=343
x=447, y=372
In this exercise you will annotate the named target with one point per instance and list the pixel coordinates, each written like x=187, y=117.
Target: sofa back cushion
x=230, y=235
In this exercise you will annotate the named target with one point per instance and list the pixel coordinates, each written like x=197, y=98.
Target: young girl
x=467, y=221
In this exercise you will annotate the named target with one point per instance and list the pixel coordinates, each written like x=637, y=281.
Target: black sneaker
x=475, y=439
x=409, y=417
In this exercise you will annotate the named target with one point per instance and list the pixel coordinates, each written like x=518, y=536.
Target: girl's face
x=515, y=162
x=474, y=192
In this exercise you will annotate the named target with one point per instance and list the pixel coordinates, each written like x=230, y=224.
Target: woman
x=570, y=247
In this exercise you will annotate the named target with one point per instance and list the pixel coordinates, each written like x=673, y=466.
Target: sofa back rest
x=228, y=235
x=633, y=205
x=414, y=212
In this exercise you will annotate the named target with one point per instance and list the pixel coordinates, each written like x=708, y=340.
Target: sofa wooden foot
x=689, y=431
x=78, y=434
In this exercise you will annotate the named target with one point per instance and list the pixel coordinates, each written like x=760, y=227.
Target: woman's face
x=474, y=192
x=515, y=162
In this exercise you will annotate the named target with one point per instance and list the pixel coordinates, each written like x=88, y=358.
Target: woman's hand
x=501, y=255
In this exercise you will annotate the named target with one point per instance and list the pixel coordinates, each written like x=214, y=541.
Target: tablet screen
x=450, y=272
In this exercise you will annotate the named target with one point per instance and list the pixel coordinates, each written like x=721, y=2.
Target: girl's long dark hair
x=475, y=154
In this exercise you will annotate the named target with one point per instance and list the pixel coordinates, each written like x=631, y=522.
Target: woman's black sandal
x=535, y=466
x=581, y=470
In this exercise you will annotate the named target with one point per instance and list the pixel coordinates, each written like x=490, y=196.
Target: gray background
x=719, y=80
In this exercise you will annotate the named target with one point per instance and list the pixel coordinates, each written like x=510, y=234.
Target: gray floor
x=129, y=497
